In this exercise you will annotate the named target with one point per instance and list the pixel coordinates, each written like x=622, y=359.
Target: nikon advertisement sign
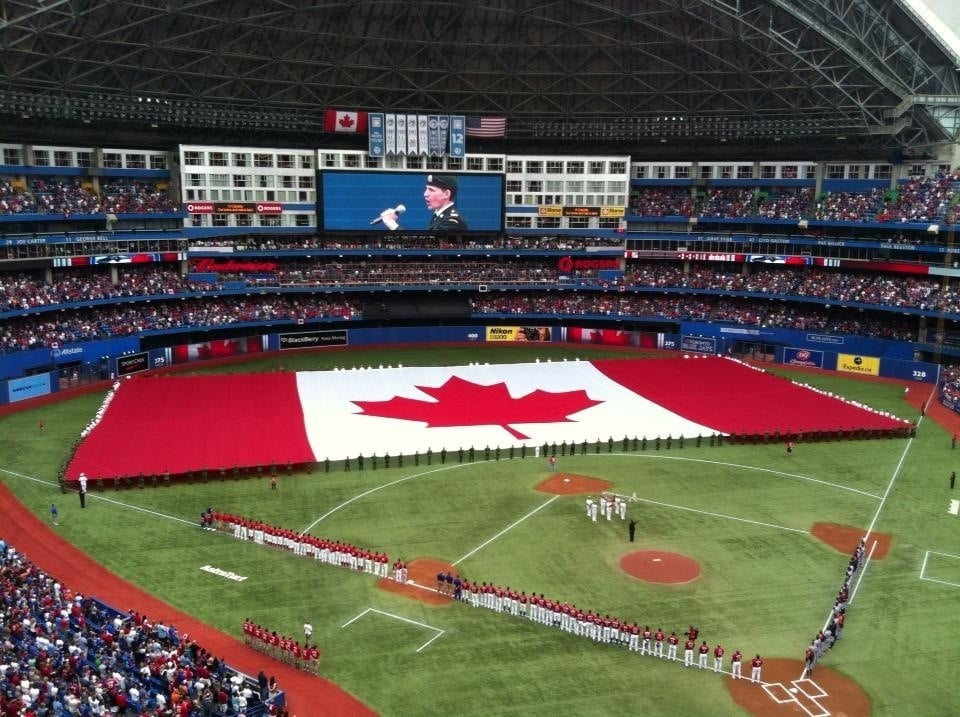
x=518, y=333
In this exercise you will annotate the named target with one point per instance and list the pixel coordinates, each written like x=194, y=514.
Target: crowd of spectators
x=786, y=204
x=25, y=291
x=379, y=272
x=113, y=321
x=135, y=198
x=662, y=202
x=908, y=291
x=60, y=195
x=390, y=242
x=919, y=199
x=46, y=328
x=848, y=206
x=751, y=313
x=950, y=386
x=728, y=203
x=67, y=654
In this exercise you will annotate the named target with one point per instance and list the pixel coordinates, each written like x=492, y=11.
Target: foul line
x=860, y=575
x=512, y=525
x=747, y=468
x=715, y=515
x=402, y=619
x=893, y=479
x=381, y=487
x=104, y=499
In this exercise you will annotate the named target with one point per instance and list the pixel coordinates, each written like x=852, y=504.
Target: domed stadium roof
x=633, y=73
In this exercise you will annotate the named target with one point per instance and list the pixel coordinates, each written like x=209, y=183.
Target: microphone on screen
x=398, y=210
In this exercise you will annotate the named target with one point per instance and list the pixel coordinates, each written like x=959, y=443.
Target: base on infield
x=845, y=538
x=827, y=692
x=421, y=581
x=655, y=566
x=572, y=484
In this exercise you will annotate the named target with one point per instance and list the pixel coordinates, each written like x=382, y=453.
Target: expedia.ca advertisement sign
x=866, y=365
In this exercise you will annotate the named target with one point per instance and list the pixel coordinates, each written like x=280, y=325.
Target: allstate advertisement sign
x=20, y=389
x=803, y=357
x=69, y=353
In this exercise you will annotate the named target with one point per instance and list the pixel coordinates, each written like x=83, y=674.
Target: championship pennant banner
x=410, y=135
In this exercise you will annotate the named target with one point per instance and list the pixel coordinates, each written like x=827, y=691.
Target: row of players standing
x=593, y=626
x=331, y=552
x=825, y=639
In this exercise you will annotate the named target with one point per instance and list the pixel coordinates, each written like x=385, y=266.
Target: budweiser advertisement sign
x=569, y=263
x=234, y=208
x=220, y=265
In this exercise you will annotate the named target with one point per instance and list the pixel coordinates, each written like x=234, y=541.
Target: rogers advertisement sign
x=234, y=208
x=568, y=263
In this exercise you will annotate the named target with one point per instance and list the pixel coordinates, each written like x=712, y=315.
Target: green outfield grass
x=741, y=511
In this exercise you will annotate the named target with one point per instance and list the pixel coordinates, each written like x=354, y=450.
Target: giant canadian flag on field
x=175, y=424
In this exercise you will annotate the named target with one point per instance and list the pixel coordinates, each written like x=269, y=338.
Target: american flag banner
x=486, y=126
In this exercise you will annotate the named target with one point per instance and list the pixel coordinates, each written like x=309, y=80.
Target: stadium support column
x=944, y=287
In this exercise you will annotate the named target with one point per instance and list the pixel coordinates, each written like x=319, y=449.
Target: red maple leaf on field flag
x=346, y=121
x=464, y=403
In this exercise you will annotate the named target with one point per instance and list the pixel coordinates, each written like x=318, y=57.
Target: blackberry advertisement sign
x=132, y=363
x=313, y=339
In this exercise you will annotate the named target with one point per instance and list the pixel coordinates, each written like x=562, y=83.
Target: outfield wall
x=39, y=372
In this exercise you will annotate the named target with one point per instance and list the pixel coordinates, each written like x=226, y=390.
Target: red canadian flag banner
x=349, y=121
x=311, y=416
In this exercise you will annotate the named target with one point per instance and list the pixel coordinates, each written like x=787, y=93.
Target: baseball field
x=744, y=514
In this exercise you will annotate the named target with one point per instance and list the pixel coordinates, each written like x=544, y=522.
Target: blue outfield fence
x=118, y=357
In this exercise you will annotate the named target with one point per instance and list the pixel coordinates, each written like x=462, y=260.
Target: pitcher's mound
x=656, y=566
x=421, y=581
x=843, y=695
x=573, y=484
x=845, y=538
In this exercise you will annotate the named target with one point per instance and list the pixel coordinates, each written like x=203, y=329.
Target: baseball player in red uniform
x=704, y=655
x=645, y=645
x=735, y=660
x=756, y=665
x=718, y=658
x=658, y=643
x=673, y=640
x=688, y=652
x=809, y=659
